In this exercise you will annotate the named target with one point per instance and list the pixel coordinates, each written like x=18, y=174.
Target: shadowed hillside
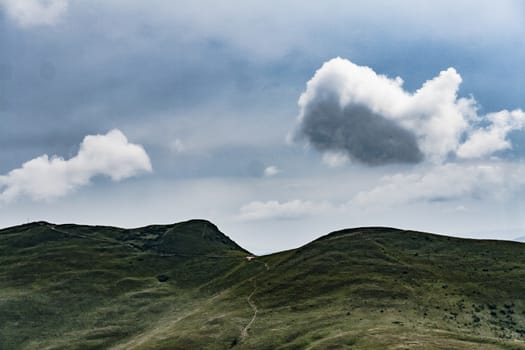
x=188, y=286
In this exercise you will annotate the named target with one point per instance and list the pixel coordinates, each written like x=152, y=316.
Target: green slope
x=85, y=286
x=188, y=286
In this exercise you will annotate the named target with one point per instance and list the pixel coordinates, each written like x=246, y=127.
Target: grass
x=185, y=286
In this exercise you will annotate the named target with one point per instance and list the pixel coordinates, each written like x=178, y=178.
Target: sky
x=279, y=122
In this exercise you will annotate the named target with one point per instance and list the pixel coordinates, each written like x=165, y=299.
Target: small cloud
x=47, y=177
x=276, y=210
x=335, y=159
x=177, y=146
x=32, y=13
x=272, y=170
x=461, y=208
x=485, y=141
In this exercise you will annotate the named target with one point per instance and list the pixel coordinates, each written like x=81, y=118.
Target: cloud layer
x=446, y=182
x=370, y=118
x=294, y=209
x=31, y=13
x=48, y=177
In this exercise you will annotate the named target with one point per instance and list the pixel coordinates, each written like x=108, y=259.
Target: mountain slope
x=379, y=287
x=188, y=286
x=90, y=286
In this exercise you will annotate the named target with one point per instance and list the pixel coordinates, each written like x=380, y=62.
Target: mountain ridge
x=187, y=285
x=333, y=234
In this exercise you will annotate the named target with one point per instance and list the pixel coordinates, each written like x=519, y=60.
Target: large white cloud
x=30, y=13
x=370, y=117
x=47, y=177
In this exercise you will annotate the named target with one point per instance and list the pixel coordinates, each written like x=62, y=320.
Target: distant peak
x=202, y=221
x=35, y=223
x=361, y=230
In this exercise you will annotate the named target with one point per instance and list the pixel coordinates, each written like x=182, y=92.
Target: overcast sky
x=279, y=122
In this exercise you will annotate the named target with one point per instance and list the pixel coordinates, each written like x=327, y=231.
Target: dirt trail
x=244, y=332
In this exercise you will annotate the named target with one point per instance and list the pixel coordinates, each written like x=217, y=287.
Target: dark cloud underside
x=359, y=132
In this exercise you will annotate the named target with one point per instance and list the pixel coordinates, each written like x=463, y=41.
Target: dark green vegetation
x=188, y=286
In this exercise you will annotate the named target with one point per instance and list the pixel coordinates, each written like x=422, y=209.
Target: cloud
x=446, y=182
x=355, y=129
x=177, y=146
x=31, y=13
x=350, y=109
x=47, y=177
x=335, y=159
x=485, y=141
x=275, y=210
x=271, y=170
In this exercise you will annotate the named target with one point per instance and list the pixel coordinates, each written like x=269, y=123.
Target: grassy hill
x=188, y=286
